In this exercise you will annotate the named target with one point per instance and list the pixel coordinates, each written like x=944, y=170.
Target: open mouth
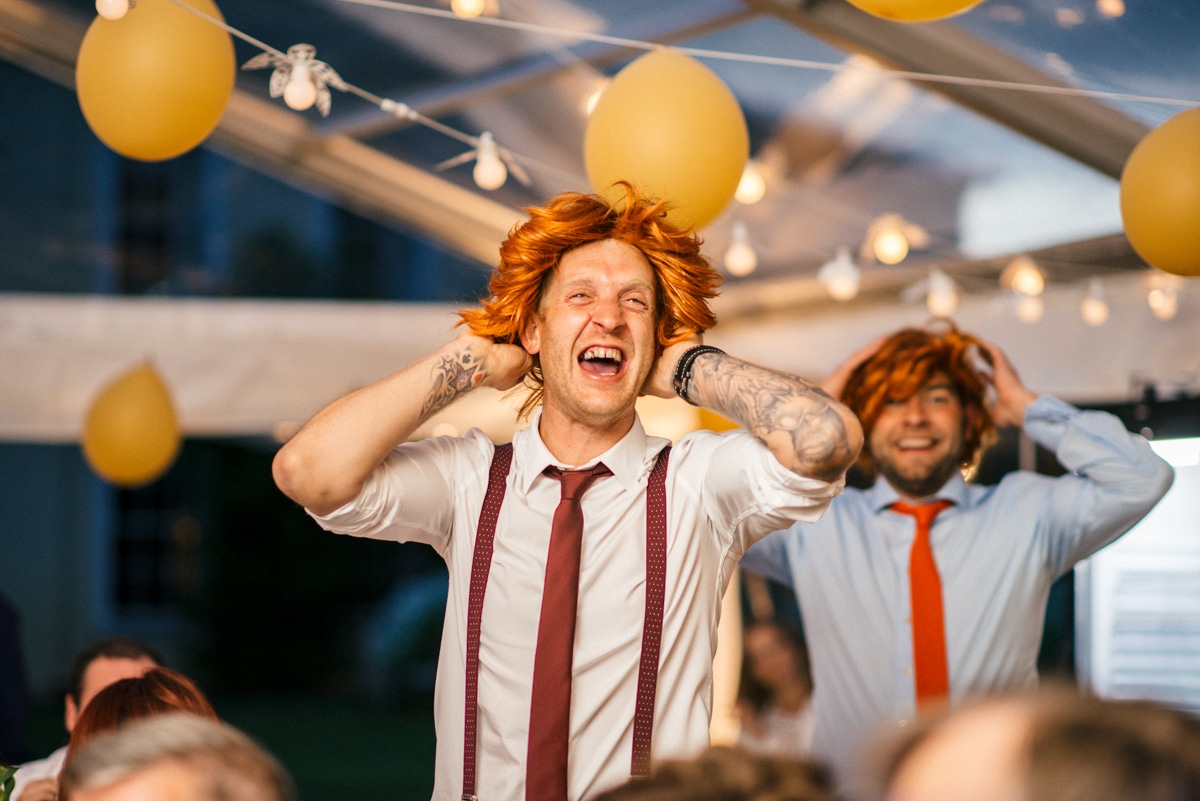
x=915, y=443
x=602, y=361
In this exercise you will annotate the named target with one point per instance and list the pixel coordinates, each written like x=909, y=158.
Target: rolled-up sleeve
x=410, y=496
x=747, y=492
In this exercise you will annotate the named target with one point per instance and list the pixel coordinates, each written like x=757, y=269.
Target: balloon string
x=777, y=61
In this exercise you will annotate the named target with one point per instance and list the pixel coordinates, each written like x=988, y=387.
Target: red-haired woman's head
x=156, y=691
x=904, y=364
x=686, y=281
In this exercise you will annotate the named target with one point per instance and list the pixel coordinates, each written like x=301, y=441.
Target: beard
x=923, y=481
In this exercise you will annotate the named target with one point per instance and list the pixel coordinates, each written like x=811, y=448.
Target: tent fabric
x=256, y=368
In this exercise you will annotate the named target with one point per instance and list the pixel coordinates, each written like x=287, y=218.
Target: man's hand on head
x=658, y=383
x=835, y=383
x=503, y=365
x=1011, y=395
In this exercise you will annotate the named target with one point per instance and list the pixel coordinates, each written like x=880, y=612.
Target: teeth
x=603, y=353
x=915, y=443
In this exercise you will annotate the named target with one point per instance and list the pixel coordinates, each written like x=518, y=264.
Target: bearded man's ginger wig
x=685, y=281
x=905, y=363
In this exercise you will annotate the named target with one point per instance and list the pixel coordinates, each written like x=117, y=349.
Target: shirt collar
x=627, y=459
x=882, y=495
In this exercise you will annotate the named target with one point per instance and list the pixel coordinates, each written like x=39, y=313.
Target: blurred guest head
x=175, y=757
x=1052, y=746
x=99, y=665
x=157, y=691
x=724, y=774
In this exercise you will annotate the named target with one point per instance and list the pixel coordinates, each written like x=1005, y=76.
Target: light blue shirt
x=998, y=550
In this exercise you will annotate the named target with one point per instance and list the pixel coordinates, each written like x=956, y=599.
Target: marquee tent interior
x=995, y=134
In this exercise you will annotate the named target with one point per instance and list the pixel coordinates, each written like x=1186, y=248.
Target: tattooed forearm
x=453, y=376
x=801, y=425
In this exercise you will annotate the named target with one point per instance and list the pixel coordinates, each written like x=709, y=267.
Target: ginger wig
x=905, y=363
x=685, y=279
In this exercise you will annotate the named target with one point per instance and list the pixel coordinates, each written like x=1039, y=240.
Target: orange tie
x=928, y=620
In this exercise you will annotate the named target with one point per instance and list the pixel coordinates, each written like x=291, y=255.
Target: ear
x=71, y=715
x=531, y=335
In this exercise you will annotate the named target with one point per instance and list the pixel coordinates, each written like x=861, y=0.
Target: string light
x=1023, y=276
x=942, y=298
x=890, y=237
x=1094, y=308
x=403, y=111
x=490, y=172
x=1163, y=296
x=299, y=78
x=740, y=258
x=840, y=276
x=113, y=9
x=300, y=93
x=752, y=186
x=1111, y=8
x=467, y=9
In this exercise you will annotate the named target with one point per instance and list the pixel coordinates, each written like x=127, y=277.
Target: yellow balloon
x=131, y=435
x=914, y=10
x=668, y=124
x=1160, y=195
x=153, y=84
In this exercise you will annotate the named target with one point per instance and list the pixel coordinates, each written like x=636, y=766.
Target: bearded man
x=925, y=590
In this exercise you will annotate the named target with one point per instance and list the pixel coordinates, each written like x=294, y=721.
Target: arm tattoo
x=453, y=376
x=787, y=414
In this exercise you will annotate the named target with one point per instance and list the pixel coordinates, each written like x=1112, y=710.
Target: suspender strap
x=481, y=565
x=656, y=582
x=656, y=591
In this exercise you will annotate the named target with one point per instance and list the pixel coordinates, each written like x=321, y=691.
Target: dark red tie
x=928, y=618
x=550, y=712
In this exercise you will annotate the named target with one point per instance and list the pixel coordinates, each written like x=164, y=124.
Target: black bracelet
x=683, y=369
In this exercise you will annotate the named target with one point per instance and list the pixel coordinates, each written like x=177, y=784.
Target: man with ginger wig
x=592, y=305
x=890, y=634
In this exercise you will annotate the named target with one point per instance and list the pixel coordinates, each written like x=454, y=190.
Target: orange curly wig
x=686, y=281
x=905, y=363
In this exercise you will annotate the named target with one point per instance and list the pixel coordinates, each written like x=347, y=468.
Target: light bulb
x=1030, y=309
x=1164, y=302
x=113, y=9
x=740, y=258
x=490, y=172
x=1023, y=276
x=1094, y=308
x=468, y=8
x=891, y=245
x=300, y=92
x=752, y=186
x=942, y=299
x=840, y=276
x=1111, y=8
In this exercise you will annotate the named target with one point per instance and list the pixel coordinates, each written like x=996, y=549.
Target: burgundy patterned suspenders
x=656, y=580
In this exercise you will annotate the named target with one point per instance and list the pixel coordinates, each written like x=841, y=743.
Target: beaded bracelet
x=683, y=369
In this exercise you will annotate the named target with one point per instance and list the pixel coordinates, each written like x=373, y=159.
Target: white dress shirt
x=724, y=492
x=38, y=769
